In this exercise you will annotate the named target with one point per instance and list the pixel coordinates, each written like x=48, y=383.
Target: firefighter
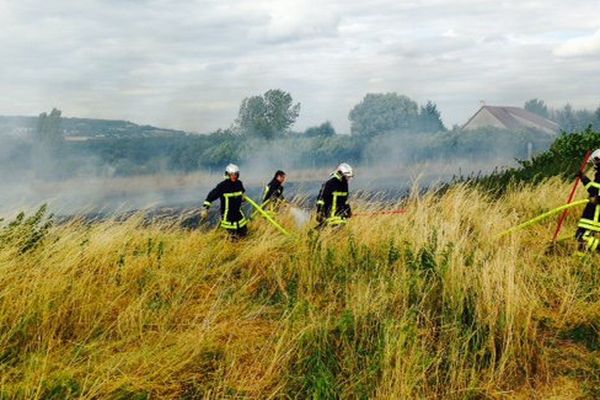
x=332, y=203
x=589, y=224
x=230, y=191
x=273, y=194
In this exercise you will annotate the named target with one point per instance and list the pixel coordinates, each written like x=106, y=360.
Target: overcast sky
x=188, y=64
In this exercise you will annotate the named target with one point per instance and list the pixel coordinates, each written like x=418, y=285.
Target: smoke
x=301, y=217
x=386, y=167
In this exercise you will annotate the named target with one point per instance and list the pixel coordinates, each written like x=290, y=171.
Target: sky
x=188, y=64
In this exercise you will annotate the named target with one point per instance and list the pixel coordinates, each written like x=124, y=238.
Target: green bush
x=25, y=234
x=564, y=159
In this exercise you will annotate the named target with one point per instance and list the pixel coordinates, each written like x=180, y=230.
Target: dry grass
x=428, y=304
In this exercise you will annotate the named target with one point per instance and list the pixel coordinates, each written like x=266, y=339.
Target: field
x=427, y=304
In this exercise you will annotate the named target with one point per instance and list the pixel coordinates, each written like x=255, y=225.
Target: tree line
x=383, y=126
x=271, y=115
x=568, y=118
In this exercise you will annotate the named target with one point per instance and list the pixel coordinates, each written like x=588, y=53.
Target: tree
x=323, y=130
x=269, y=115
x=565, y=118
x=537, y=107
x=48, y=132
x=48, y=144
x=382, y=112
x=596, y=122
x=430, y=119
x=583, y=119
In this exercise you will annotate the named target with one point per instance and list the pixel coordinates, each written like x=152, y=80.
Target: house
x=510, y=118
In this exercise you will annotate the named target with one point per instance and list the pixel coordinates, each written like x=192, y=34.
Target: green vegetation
x=563, y=159
x=325, y=129
x=267, y=116
x=320, y=147
x=379, y=113
x=538, y=107
x=567, y=118
x=385, y=127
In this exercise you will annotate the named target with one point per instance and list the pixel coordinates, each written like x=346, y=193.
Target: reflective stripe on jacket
x=230, y=195
x=590, y=219
x=332, y=202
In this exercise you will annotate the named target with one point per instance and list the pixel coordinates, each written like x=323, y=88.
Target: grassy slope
x=428, y=304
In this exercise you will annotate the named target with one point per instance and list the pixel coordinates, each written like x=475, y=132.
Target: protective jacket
x=273, y=193
x=332, y=202
x=589, y=224
x=590, y=219
x=231, y=195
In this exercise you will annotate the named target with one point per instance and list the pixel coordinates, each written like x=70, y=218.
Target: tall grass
x=427, y=304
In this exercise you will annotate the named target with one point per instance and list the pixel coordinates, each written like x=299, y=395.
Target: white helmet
x=232, y=169
x=345, y=170
x=595, y=157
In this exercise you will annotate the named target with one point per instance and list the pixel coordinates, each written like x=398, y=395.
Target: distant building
x=510, y=118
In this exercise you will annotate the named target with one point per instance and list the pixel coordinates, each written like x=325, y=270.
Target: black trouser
x=587, y=240
x=238, y=233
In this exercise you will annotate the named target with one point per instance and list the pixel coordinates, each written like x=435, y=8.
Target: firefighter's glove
x=580, y=175
x=204, y=213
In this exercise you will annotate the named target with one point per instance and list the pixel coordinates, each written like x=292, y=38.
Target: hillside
x=84, y=128
x=427, y=304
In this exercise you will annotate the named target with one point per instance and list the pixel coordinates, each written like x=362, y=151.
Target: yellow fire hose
x=266, y=215
x=263, y=205
x=543, y=216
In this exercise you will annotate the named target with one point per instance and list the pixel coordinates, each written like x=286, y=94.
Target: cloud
x=290, y=21
x=188, y=65
x=579, y=46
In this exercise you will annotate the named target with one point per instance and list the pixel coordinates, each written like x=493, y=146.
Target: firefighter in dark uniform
x=231, y=193
x=273, y=194
x=332, y=203
x=588, y=227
